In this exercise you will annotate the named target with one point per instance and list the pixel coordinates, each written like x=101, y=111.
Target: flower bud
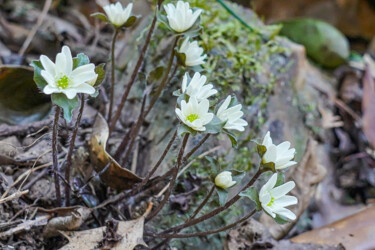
x=224, y=180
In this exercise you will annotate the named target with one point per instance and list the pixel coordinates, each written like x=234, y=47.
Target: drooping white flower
x=274, y=199
x=192, y=52
x=197, y=87
x=231, y=115
x=61, y=77
x=118, y=15
x=195, y=114
x=181, y=17
x=281, y=154
x=224, y=180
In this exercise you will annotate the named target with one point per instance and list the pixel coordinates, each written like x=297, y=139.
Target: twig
x=70, y=150
x=16, y=195
x=134, y=75
x=171, y=185
x=26, y=43
x=54, y=154
x=113, y=65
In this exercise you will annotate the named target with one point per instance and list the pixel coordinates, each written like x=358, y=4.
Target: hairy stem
x=113, y=66
x=174, y=177
x=55, y=162
x=192, y=151
x=134, y=74
x=164, y=81
x=215, y=211
x=70, y=151
x=202, y=204
x=147, y=178
x=188, y=235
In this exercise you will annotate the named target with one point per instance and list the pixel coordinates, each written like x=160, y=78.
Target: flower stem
x=192, y=151
x=215, y=211
x=54, y=154
x=70, y=151
x=134, y=75
x=202, y=204
x=164, y=81
x=188, y=235
x=113, y=66
x=174, y=177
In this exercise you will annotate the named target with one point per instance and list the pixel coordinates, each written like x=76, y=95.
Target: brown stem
x=171, y=185
x=202, y=204
x=207, y=232
x=134, y=75
x=164, y=81
x=192, y=151
x=124, y=143
x=55, y=162
x=135, y=130
x=146, y=179
x=113, y=66
x=70, y=150
x=215, y=211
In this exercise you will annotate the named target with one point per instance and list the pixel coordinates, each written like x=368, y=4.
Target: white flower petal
x=48, y=65
x=282, y=190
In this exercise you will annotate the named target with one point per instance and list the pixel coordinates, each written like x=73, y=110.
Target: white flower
x=61, y=77
x=195, y=114
x=274, y=199
x=231, y=115
x=192, y=52
x=118, y=15
x=196, y=87
x=224, y=180
x=281, y=154
x=181, y=17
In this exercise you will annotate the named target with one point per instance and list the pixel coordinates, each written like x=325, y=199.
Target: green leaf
x=21, y=101
x=181, y=58
x=214, y=126
x=232, y=137
x=270, y=166
x=80, y=60
x=252, y=194
x=131, y=20
x=183, y=129
x=100, y=16
x=281, y=219
x=155, y=74
x=101, y=74
x=324, y=43
x=38, y=78
x=223, y=195
x=68, y=105
x=280, y=179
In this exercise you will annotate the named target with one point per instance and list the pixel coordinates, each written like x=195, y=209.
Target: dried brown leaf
x=115, y=176
x=368, y=107
x=354, y=232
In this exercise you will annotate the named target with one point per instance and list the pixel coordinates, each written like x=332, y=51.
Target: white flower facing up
x=231, y=115
x=118, y=15
x=224, y=180
x=195, y=114
x=192, y=52
x=61, y=77
x=281, y=154
x=181, y=17
x=274, y=199
x=197, y=87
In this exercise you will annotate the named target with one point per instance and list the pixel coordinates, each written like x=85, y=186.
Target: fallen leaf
x=68, y=218
x=368, y=107
x=115, y=176
x=329, y=120
x=324, y=43
x=20, y=100
x=354, y=232
x=307, y=175
x=131, y=232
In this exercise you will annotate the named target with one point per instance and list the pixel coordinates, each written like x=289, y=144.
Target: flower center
x=192, y=117
x=63, y=82
x=271, y=202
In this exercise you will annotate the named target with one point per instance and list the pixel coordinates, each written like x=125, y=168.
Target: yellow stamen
x=192, y=117
x=63, y=82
